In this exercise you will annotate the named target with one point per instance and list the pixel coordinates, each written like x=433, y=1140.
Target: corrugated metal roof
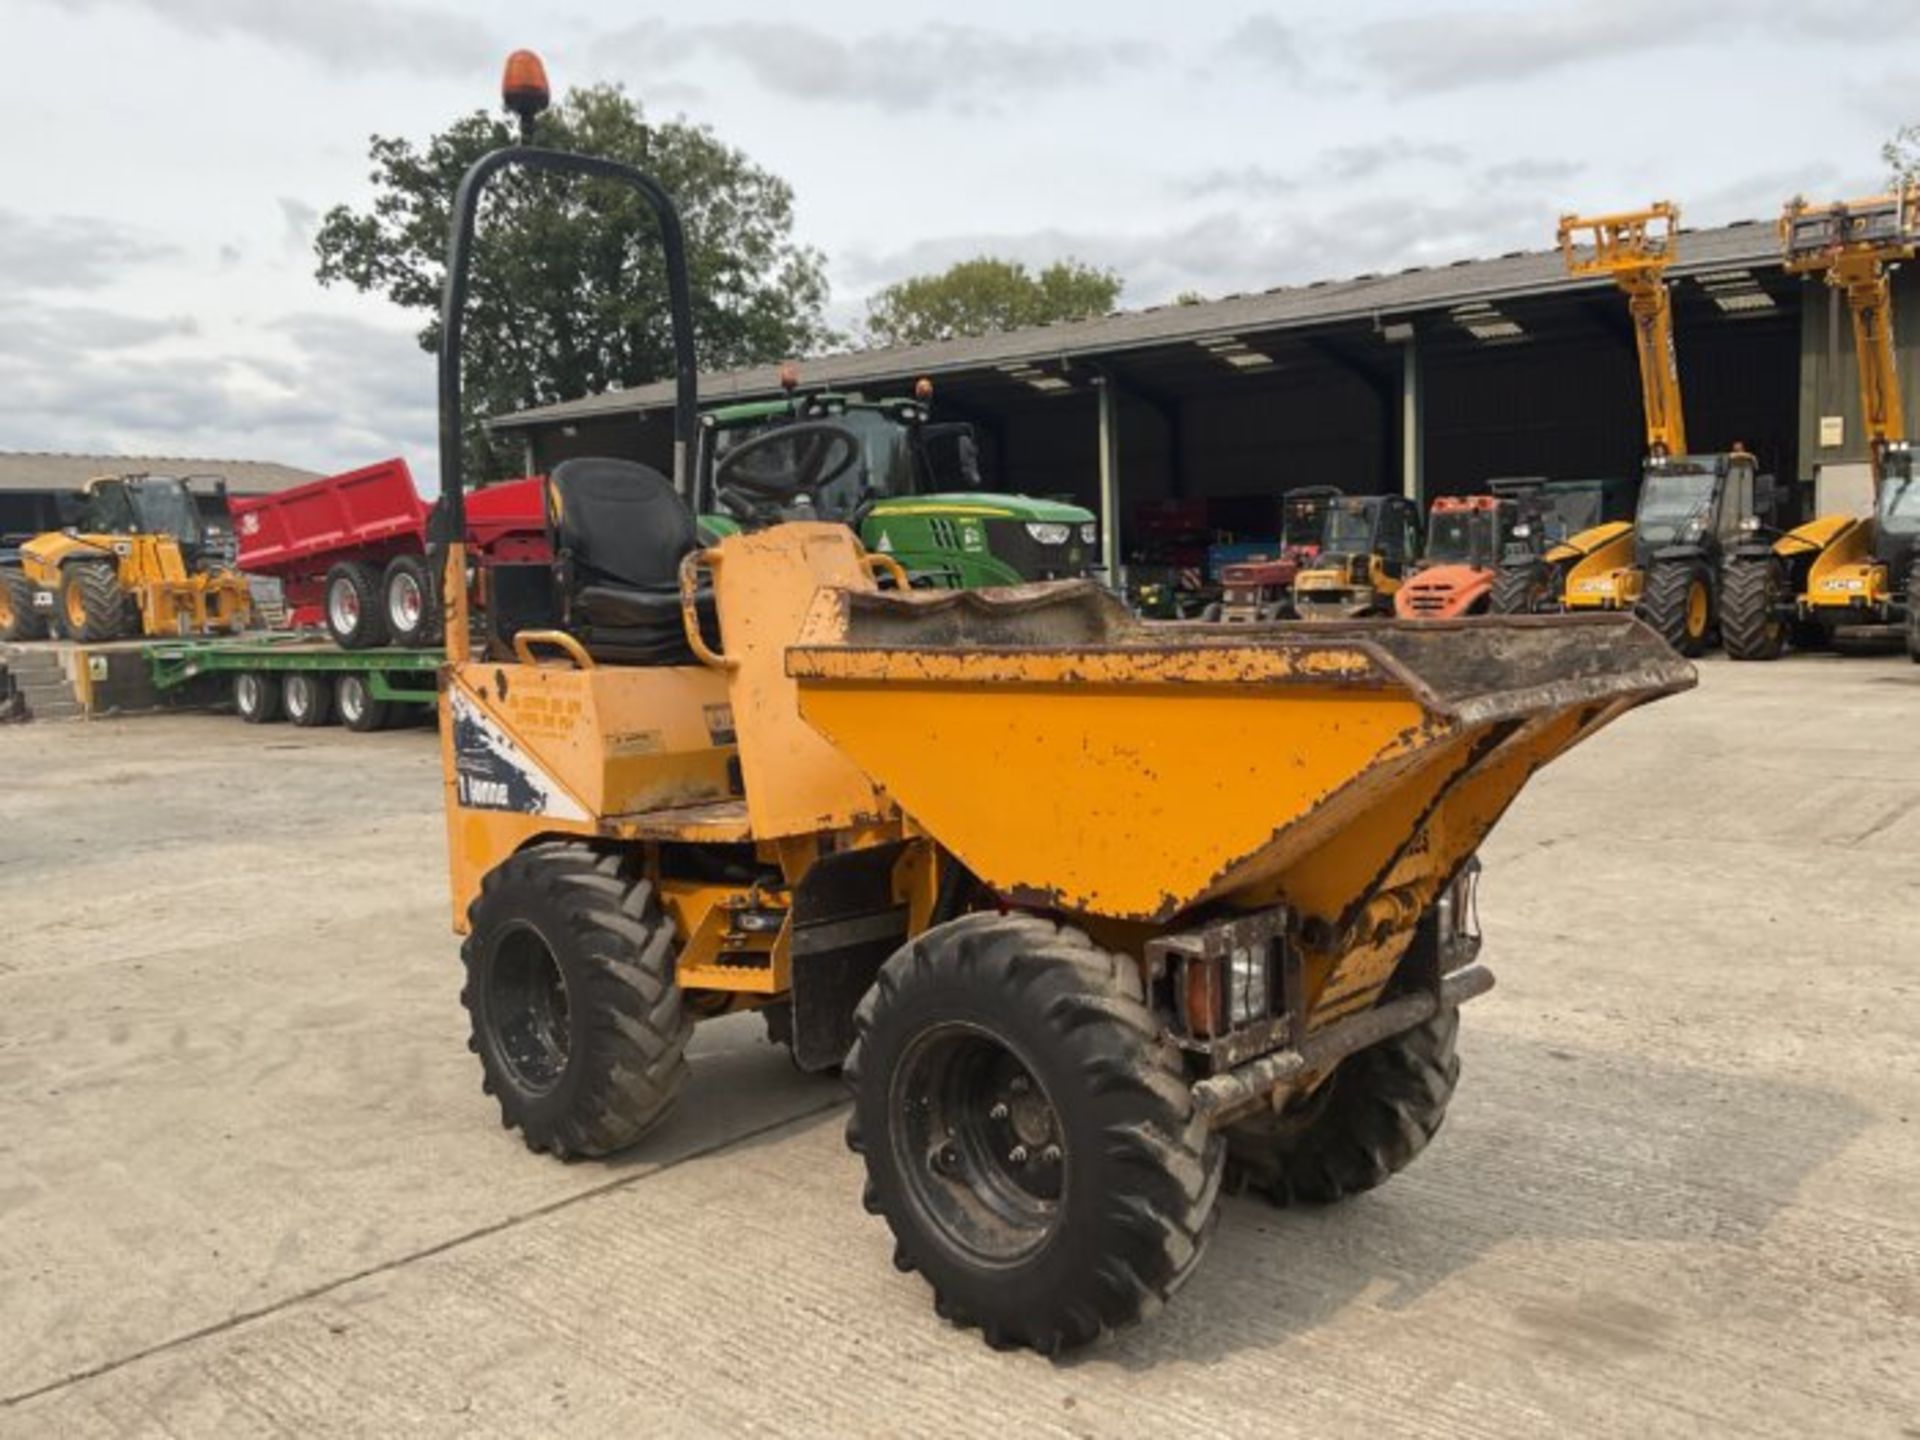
x=1323, y=302
x=35, y=470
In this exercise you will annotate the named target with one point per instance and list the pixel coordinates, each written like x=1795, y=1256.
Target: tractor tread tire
x=1514, y=592
x=1663, y=605
x=628, y=1030
x=1913, y=612
x=371, y=630
x=23, y=621
x=112, y=614
x=1751, y=627
x=1144, y=1170
x=1366, y=1123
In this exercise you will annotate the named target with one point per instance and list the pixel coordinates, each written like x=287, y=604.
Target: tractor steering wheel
x=769, y=477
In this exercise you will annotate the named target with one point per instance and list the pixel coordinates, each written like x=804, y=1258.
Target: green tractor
x=910, y=487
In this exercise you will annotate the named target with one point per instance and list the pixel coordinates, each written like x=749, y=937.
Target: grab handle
x=525, y=640
x=690, y=568
x=876, y=563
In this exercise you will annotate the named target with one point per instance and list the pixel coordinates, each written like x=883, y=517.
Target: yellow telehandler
x=1665, y=564
x=1840, y=574
x=137, y=562
x=1095, y=912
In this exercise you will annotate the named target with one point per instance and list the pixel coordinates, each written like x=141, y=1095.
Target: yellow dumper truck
x=1094, y=912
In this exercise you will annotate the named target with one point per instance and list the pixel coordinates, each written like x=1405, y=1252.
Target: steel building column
x=1109, y=408
x=1413, y=423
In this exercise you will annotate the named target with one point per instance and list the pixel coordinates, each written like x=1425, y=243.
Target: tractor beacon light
x=789, y=376
x=524, y=89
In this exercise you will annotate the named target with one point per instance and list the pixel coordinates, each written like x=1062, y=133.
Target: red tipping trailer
x=350, y=550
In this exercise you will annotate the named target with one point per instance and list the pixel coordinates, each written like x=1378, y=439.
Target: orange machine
x=1465, y=537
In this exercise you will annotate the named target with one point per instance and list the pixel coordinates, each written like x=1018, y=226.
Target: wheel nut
x=1051, y=1154
x=1017, y=1155
x=1018, y=1085
x=998, y=1112
x=945, y=1158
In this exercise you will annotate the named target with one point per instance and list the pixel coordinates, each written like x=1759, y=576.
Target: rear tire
x=353, y=605
x=1029, y=1140
x=94, y=606
x=19, y=620
x=1678, y=603
x=359, y=710
x=1366, y=1123
x=257, y=697
x=308, y=698
x=570, y=988
x=1752, y=597
x=412, y=602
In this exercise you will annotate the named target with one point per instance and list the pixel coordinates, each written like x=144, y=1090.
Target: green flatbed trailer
x=303, y=678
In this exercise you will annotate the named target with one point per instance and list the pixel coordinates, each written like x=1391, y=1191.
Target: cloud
x=316, y=390
x=1364, y=162
x=1265, y=40
x=297, y=219
x=1246, y=181
x=956, y=67
x=69, y=252
x=352, y=35
x=1342, y=163
x=1461, y=49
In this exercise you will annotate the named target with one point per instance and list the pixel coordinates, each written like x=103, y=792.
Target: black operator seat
x=619, y=531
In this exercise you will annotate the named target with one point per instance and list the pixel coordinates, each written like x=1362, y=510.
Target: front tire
x=94, y=606
x=1913, y=612
x=1678, y=603
x=1029, y=1140
x=1752, y=598
x=570, y=989
x=1365, y=1123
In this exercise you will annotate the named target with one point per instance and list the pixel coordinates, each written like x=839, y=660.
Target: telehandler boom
x=1091, y=910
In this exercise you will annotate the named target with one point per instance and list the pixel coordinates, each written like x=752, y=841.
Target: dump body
x=1081, y=760
x=371, y=515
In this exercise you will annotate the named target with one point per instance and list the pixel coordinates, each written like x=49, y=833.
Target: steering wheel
x=761, y=479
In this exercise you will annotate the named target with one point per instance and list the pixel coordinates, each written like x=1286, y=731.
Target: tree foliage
x=985, y=295
x=568, y=293
x=1902, y=155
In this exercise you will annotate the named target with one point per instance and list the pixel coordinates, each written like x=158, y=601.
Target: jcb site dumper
x=1841, y=575
x=1096, y=913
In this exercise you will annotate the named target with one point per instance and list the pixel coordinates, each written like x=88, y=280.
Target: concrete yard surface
x=249, y=1184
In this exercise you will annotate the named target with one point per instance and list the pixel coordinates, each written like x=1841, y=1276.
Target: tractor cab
x=911, y=487
x=1697, y=500
x=1470, y=530
x=142, y=505
x=1367, y=548
x=1897, y=509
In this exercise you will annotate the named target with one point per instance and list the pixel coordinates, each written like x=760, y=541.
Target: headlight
x=1521, y=532
x=1750, y=523
x=1090, y=534
x=1050, y=534
x=1247, y=985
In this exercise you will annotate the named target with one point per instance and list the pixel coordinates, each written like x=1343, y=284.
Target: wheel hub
x=527, y=1006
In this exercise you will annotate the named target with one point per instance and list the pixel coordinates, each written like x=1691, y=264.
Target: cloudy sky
x=166, y=159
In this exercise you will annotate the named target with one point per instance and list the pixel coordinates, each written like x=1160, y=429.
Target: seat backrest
x=618, y=522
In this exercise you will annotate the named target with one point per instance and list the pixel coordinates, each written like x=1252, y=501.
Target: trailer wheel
x=1678, y=602
x=570, y=987
x=19, y=620
x=359, y=709
x=355, y=616
x=92, y=605
x=256, y=697
x=308, y=698
x=413, y=601
x=1752, y=596
x=1028, y=1139
x=1366, y=1122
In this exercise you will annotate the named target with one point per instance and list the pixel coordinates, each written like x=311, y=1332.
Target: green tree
x=985, y=295
x=1902, y=155
x=568, y=293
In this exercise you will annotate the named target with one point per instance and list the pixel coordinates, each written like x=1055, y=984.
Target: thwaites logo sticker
x=490, y=772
